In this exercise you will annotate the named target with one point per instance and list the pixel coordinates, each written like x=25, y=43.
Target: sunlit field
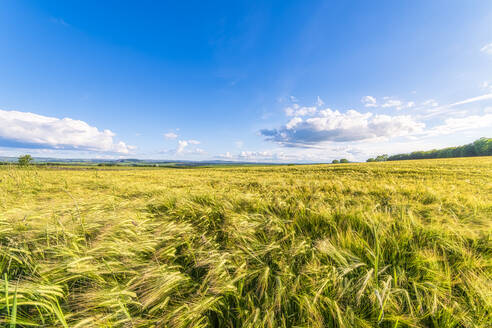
x=393, y=244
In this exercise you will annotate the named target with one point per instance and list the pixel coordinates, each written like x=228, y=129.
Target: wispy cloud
x=440, y=110
x=486, y=85
x=24, y=129
x=430, y=103
x=289, y=155
x=471, y=100
x=170, y=135
x=453, y=125
x=59, y=21
x=487, y=49
x=388, y=102
x=184, y=144
x=253, y=156
x=297, y=110
x=226, y=155
x=369, y=101
x=397, y=104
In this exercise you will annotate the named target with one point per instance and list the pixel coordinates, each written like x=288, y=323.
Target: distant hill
x=130, y=162
x=480, y=147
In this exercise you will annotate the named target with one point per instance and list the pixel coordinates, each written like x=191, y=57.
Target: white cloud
x=445, y=109
x=293, y=122
x=397, y=104
x=392, y=103
x=317, y=130
x=239, y=144
x=281, y=156
x=294, y=155
x=170, y=135
x=297, y=110
x=430, y=103
x=487, y=49
x=486, y=85
x=257, y=155
x=329, y=125
x=324, y=134
x=453, y=125
x=473, y=99
x=23, y=129
x=369, y=101
x=227, y=155
x=183, y=144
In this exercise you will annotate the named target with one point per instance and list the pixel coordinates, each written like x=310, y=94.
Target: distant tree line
x=380, y=158
x=342, y=161
x=480, y=147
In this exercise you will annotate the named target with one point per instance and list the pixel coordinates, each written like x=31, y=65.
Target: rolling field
x=392, y=244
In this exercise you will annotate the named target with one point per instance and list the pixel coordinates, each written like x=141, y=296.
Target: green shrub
x=25, y=160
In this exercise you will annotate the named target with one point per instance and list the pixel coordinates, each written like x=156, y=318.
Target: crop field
x=392, y=244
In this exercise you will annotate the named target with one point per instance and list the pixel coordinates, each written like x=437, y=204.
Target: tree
x=483, y=147
x=335, y=161
x=370, y=160
x=344, y=160
x=381, y=158
x=25, y=160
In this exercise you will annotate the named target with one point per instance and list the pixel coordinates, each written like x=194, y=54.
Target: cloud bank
x=29, y=130
x=332, y=125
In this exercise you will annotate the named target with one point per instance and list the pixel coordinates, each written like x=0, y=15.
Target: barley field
x=392, y=244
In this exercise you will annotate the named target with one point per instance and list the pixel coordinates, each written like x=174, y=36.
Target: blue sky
x=281, y=81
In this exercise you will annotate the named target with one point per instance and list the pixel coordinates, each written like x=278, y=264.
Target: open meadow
x=392, y=244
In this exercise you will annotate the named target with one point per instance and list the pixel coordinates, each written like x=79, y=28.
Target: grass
x=396, y=244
